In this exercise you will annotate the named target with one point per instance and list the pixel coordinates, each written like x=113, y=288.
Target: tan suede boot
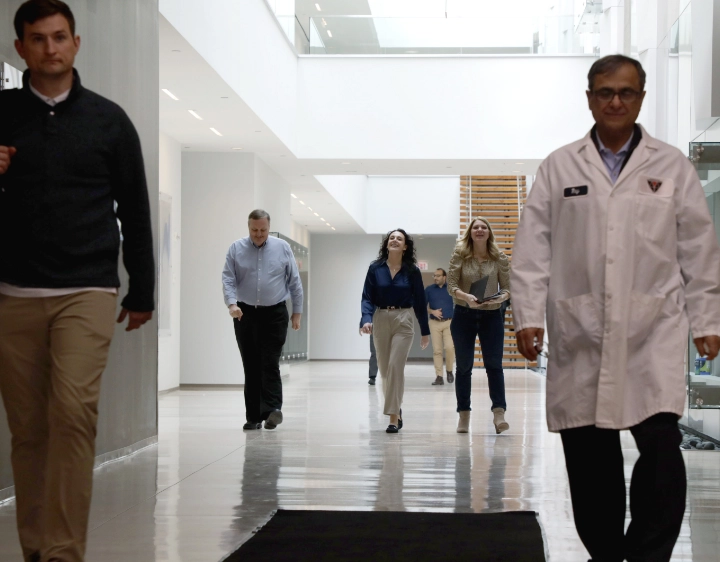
x=464, y=422
x=499, y=420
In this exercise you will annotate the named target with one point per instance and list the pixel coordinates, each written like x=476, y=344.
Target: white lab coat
x=619, y=269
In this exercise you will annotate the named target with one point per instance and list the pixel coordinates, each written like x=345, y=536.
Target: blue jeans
x=468, y=324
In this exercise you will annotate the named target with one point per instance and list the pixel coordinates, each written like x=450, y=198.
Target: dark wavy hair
x=409, y=260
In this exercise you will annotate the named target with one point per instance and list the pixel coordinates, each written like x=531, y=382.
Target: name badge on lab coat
x=577, y=191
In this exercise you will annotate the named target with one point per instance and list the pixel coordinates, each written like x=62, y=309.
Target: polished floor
x=207, y=485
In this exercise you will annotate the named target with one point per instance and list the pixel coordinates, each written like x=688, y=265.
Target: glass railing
x=368, y=35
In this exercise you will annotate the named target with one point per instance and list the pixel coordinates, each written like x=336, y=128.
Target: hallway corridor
x=207, y=485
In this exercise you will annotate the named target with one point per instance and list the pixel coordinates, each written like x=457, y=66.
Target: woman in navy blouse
x=393, y=288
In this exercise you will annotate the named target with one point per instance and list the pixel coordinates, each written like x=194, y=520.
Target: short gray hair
x=611, y=64
x=258, y=214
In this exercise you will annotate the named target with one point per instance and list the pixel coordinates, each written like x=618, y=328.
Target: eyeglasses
x=626, y=95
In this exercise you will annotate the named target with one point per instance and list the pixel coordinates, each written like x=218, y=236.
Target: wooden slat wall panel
x=499, y=199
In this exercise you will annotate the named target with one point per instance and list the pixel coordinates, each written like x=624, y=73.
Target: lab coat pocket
x=654, y=217
x=580, y=321
x=644, y=310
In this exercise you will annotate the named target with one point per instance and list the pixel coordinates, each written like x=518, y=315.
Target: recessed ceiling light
x=195, y=115
x=322, y=219
x=214, y=130
x=301, y=201
x=323, y=22
x=332, y=227
x=318, y=7
x=293, y=196
x=519, y=163
x=310, y=208
x=237, y=148
x=516, y=172
x=329, y=33
x=316, y=214
x=169, y=93
x=345, y=163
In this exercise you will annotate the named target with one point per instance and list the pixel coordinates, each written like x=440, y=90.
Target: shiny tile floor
x=207, y=485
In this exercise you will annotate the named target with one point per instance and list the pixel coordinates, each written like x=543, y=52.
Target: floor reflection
x=208, y=485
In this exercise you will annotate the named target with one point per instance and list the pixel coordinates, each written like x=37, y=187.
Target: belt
x=394, y=307
x=440, y=319
x=241, y=304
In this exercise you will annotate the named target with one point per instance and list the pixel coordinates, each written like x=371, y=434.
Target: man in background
x=260, y=274
x=440, y=307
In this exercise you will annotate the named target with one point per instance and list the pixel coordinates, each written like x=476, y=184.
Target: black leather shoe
x=253, y=425
x=450, y=376
x=400, y=423
x=274, y=419
x=392, y=429
x=371, y=381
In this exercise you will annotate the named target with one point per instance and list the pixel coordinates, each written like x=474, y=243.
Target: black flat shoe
x=392, y=429
x=400, y=423
x=252, y=425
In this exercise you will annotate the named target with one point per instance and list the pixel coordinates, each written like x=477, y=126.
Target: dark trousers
x=260, y=335
x=373, y=368
x=657, y=490
x=468, y=324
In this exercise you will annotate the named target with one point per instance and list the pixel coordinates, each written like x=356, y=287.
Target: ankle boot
x=438, y=380
x=464, y=422
x=499, y=420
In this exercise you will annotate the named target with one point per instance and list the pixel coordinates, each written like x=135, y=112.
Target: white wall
x=218, y=194
x=338, y=267
x=351, y=192
x=272, y=193
x=170, y=168
x=419, y=205
x=243, y=42
x=440, y=107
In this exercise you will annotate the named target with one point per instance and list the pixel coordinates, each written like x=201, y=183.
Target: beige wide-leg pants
x=441, y=339
x=52, y=353
x=393, y=333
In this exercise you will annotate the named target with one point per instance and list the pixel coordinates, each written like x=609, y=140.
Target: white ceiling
x=199, y=88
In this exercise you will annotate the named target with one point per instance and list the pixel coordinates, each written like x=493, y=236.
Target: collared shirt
x=405, y=290
x=262, y=276
x=50, y=101
x=615, y=161
x=438, y=297
x=33, y=292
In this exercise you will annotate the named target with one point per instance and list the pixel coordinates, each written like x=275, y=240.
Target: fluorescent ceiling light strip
x=195, y=115
x=214, y=130
x=329, y=33
x=170, y=94
x=316, y=214
x=293, y=196
x=301, y=202
x=318, y=7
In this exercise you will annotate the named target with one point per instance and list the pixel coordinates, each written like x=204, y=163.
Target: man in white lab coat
x=617, y=247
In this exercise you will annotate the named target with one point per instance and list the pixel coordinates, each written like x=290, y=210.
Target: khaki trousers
x=52, y=353
x=393, y=333
x=441, y=339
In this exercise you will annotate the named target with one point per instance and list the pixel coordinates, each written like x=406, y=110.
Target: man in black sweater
x=70, y=167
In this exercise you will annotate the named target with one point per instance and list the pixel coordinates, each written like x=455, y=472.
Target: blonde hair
x=465, y=245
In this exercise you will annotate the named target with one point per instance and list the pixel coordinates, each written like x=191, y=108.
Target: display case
x=296, y=344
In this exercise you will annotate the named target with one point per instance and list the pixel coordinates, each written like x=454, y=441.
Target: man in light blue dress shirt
x=260, y=274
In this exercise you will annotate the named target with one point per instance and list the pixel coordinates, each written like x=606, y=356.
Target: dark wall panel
x=118, y=59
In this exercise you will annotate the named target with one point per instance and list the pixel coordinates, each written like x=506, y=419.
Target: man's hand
x=530, y=342
x=235, y=311
x=367, y=328
x=437, y=313
x=6, y=153
x=136, y=319
x=708, y=346
x=295, y=319
x=424, y=341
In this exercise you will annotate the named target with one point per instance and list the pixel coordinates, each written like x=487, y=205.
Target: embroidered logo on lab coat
x=654, y=185
x=577, y=191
